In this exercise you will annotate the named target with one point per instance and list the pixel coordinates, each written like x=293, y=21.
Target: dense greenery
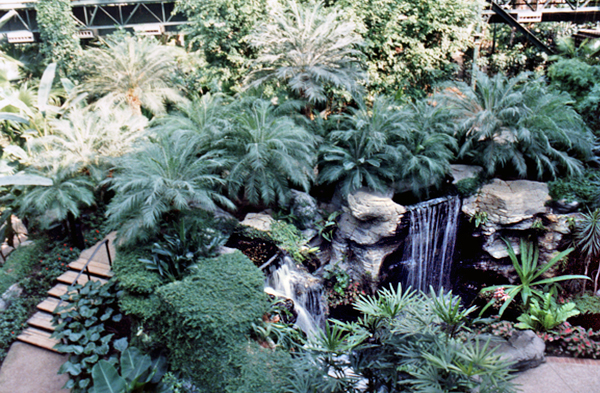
x=58, y=33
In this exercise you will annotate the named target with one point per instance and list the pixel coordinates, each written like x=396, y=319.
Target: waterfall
x=304, y=290
x=429, y=247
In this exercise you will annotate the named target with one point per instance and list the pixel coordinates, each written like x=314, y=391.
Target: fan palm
x=517, y=125
x=425, y=146
x=165, y=176
x=133, y=70
x=308, y=48
x=270, y=153
x=360, y=154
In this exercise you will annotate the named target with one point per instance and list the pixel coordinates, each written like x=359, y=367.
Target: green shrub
x=583, y=189
x=20, y=263
x=12, y=322
x=132, y=274
x=587, y=303
x=205, y=318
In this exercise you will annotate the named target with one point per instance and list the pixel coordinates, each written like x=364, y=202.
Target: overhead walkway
x=98, y=17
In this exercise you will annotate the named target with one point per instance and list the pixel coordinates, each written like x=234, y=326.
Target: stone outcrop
x=366, y=231
x=461, y=172
x=508, y=202
x=261, y=221
x=524, y=349
x=305, y=209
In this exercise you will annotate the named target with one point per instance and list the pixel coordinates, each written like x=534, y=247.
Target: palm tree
x=86, y=139
x=518, y=126
x=164, y=177
x=60, y=201
x=425, y=145
x=202, y=121
x=360, y=153
x=308, y=48
x=133, y=70
x=269, y=151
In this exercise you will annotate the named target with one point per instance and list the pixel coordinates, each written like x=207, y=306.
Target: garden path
x=561, y=375
x=33, y=369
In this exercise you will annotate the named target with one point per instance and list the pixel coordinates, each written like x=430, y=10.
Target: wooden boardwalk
x=40, y=324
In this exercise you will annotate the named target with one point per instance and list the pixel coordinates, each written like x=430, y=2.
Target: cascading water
x=429, y=247
x=303, y=289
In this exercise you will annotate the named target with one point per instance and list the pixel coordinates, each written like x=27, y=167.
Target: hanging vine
x=58, y=33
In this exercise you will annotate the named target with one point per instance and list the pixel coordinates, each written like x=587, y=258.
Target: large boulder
x=367, y=232
x=508, y=202
x=524, y=349
x=305, y=209
x=260, y=221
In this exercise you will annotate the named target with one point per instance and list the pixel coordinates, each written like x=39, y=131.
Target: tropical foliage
x=269, y=153
x=132, y=70
x=309, y=48
x=164, y=176
x=518, y=127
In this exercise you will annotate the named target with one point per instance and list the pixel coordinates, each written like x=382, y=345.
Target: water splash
x=304, y=290
x=429, y=247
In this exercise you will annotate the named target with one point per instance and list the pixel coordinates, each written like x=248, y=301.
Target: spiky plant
x=202, y=121
x=359, y=153
x=133, y=70
x=269, y=152
x=165, y=176
x=309, y=48
x=425, y=145
x=86, y=139
x=587, y=240
x=518, y=127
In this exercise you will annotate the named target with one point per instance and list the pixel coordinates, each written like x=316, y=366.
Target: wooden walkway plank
x=69, y=277
x=39, y=338
x=42, y=320
x=96, y=268
x=58, y=290
x=48, y=305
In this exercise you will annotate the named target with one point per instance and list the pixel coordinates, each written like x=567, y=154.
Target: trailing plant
x=543, y=317
x=82, y=322
x=132, y=372
x=529, y=273
x=58, y=34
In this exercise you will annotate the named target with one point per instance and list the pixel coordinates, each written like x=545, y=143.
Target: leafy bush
x=587, y=303
x=20, y=262
x=583, y=189
x=573, y=340
x=205, y=318
x=546, y=316
x=132, y=372
x=13, y=321
x=132, y=274
x=82, y=323
x=58, y=33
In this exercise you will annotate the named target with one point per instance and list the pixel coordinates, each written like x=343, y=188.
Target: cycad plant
x=269, y=154
x=518, y=127
x=164, y=177
x=425, y=146
x=59, y=202
x=359, y=154
x=86, y=139
x=309, y=48
x=132, y=70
